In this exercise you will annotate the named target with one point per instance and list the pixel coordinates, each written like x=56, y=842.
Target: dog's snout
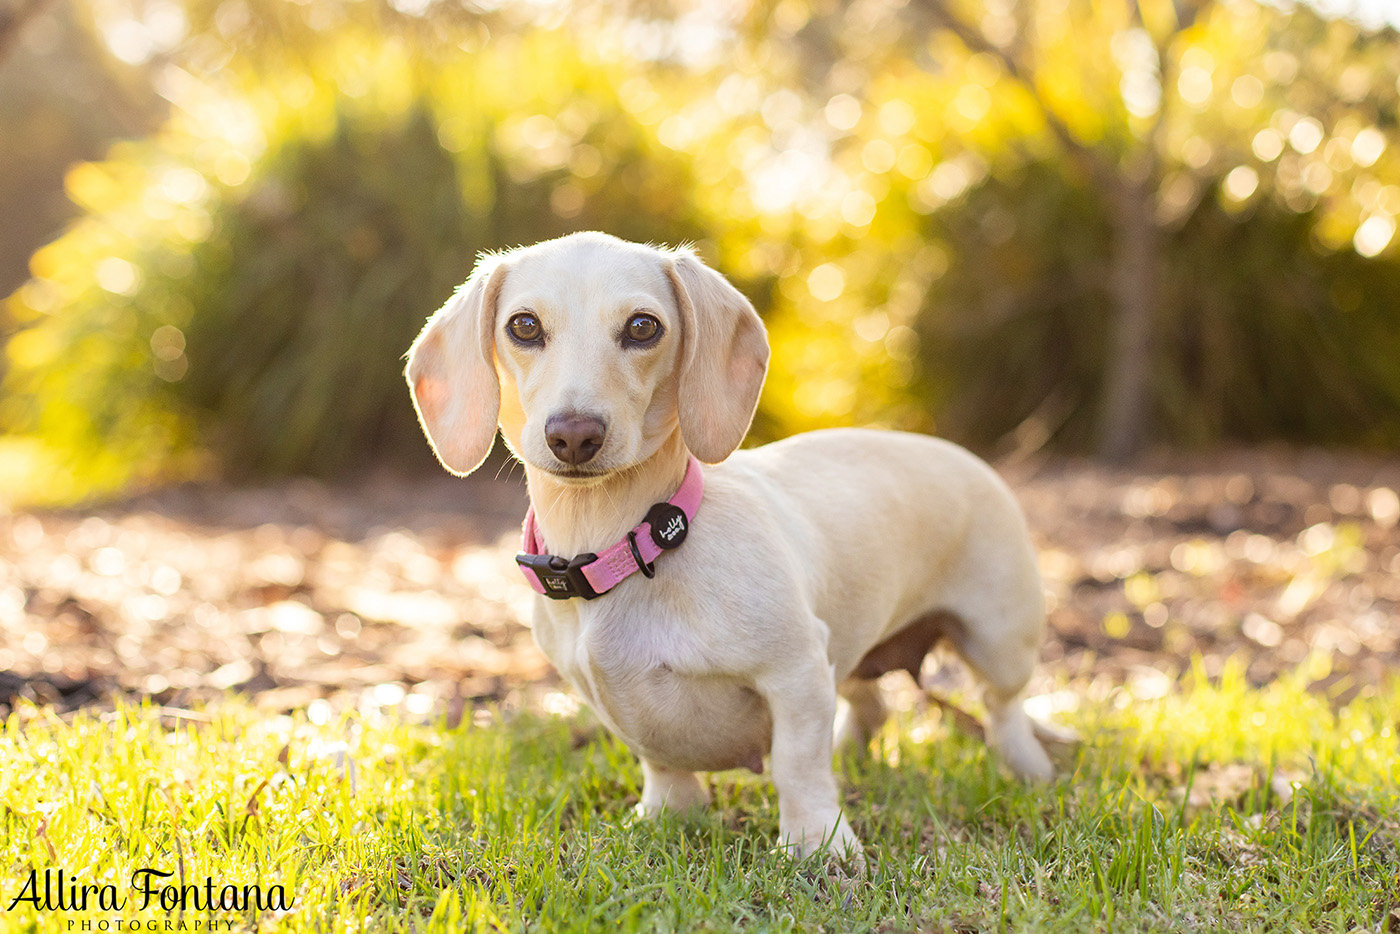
x=574, y=438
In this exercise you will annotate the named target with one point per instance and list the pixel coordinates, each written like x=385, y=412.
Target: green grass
x=1176, y=815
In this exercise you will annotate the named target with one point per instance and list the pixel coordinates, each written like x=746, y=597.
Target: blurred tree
x=1105, y=128
x=63, y=98
x=1128, y=171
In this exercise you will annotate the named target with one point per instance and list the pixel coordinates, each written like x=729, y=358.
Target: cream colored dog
x=813, y=565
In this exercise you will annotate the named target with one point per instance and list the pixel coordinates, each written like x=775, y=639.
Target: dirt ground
x=404, y=592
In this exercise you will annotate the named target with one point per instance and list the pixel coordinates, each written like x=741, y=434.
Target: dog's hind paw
x=1029, y=762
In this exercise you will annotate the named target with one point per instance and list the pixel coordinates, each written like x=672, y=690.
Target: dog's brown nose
x=574, y=438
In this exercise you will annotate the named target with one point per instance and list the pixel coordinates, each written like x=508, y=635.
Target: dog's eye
x=641, y=329
x=526, y=328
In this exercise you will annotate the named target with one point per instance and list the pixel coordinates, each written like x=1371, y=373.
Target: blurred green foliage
x=908, y=205
x=969, y=242
x=1260, y=335
x=250, y=301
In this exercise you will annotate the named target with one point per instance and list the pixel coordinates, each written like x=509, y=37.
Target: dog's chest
x=653, y=684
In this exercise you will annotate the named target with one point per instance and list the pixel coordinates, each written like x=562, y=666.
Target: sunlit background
x=1154, y=232
x=1094, y=226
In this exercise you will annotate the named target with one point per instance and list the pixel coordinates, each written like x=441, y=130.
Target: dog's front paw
x=839, y=843
x=670, y=789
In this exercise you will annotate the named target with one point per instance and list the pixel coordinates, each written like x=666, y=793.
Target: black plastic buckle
x=561, y=577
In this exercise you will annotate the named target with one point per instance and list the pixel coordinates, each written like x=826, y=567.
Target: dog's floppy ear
x=452, y=372
x=724, y=357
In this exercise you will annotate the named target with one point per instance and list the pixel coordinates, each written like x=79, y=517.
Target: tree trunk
x=1125, y=406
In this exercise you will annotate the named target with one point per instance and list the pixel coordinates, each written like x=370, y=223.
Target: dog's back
x=894, y=526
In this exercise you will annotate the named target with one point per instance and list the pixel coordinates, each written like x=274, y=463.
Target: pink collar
x=590, y=575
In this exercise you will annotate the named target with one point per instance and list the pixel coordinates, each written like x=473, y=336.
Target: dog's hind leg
x=1004, y=667
x=860, y=714
x=1003, y=623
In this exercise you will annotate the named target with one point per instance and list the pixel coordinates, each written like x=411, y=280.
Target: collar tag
x=668, y=525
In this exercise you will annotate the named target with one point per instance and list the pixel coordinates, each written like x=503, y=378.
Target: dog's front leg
x=802, y=700
x=664, y=788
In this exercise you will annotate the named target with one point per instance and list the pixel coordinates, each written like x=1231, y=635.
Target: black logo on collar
x=668, y=525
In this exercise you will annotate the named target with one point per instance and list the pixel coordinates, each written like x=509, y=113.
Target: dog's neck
x=574, y=519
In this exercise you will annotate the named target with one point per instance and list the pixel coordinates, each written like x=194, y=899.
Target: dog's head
x=589, y=352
